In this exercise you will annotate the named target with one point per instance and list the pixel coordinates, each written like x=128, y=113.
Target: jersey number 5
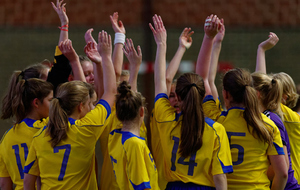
x=191, y=163
x=237, y=146
x=64, y=163
x=18, y=158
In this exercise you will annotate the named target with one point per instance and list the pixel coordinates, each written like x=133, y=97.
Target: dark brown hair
x=190, y=90
x=238, y=82
x=20, y=94
x=128, y=102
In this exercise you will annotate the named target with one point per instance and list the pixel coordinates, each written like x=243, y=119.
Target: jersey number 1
x=18, y=158
x=64, y=163
x=191, y=163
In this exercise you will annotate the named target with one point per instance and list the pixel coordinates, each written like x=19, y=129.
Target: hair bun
x=123, y=88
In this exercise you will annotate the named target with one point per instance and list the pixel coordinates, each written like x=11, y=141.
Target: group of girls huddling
x=60, y=114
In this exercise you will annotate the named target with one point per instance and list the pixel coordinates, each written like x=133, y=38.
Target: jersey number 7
x=64, y=163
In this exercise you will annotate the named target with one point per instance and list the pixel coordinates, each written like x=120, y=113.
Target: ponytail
x=18, y=99
x=190, y=90
x=68, y=96
x=270, y=90
x=238, y=83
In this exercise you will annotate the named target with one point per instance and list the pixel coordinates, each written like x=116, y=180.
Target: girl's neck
x=131, y=126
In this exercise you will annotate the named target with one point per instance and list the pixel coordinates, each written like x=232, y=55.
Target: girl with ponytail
x=195, y=148
x=63, y=153
x=27, y=102
x=132, y=161
x=254, y=139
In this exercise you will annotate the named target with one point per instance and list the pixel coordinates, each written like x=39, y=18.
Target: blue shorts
x=179, y=185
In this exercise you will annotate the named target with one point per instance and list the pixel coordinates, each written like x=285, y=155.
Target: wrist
x=209, y=37
x=119, y=38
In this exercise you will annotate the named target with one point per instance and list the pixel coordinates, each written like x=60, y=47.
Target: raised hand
x=67, y=49
x=212, y=26
x=61, y=12
x=104, y=44
x=269, y=43
x=91, y=51
x=185, y=39
x=117, y=25
x=88, y=36
x=220, y=36
x=134, y=57
x=159, y=31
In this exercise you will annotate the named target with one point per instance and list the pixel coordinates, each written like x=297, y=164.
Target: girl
x=67, y=143
x=132, y=161
x=196, y=149
x=27, y=100
x=270, y=94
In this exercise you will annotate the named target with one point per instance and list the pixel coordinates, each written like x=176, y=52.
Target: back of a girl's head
x=128, y=102
x=190, y=90
x=235, y=81
x=38, y=70
x=20, y=94
x=270, y=91
x=68, y=96
x=289, y=89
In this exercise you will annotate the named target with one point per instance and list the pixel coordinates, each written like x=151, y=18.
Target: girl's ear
x=80, y=107
x=35, y=103
x=142, y=112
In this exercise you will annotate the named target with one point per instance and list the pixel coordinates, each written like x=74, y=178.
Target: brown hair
x=21, y=92
x=68, y=96
x=270, y=91
x=190, y=90
x=128, y=102
x=238, y=82
x=289, y=89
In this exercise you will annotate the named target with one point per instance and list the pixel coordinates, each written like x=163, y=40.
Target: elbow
x=169, y=80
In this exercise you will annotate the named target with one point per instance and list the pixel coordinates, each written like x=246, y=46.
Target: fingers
x=151, y=27
x=139, y=50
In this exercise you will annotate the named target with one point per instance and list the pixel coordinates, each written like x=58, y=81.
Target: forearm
x=77, y=70
x=220, y=181
x=160, y=69
x=173, y=66
x=64, y=33
x=6, y=183
x=117, y=60
x=133, y=78
x=109, y=82
x=98, y=74
x=29, y=182
x=261, y=61
x=216, y=49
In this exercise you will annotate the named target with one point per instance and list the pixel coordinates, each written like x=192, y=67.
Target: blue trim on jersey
x=279, y=149
x=177, y=116
x=144, y=185
x=179, y=185
x=106, y=105
x=208, y=98
x=224, y=113
x=5, y=134
x=125, y=135
x=72, y=121
x=29, y=122
x=226, y=169
x=160, y=95
x=28, y=167
x=209, y=121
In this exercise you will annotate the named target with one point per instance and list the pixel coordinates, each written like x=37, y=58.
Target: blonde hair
x=289, y=89
x=68, y=96
x=270, y=91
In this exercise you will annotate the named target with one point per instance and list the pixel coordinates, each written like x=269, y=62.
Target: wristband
x=119, y=38
x=64, y=27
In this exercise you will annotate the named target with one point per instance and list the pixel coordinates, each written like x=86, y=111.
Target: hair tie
x=26, y=82
x=193, y=84
x=273, y=81
x=59, y=99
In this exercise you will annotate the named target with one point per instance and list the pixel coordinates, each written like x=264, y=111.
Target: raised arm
x=91, y=51
x=185, y=42
x=160, y=36
x=216, y=49
x=64, y=21
x=211, y=27
x=67, y=49
x=109, y=78
x=262, y=48
x=135, y=59
x=119, y=29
